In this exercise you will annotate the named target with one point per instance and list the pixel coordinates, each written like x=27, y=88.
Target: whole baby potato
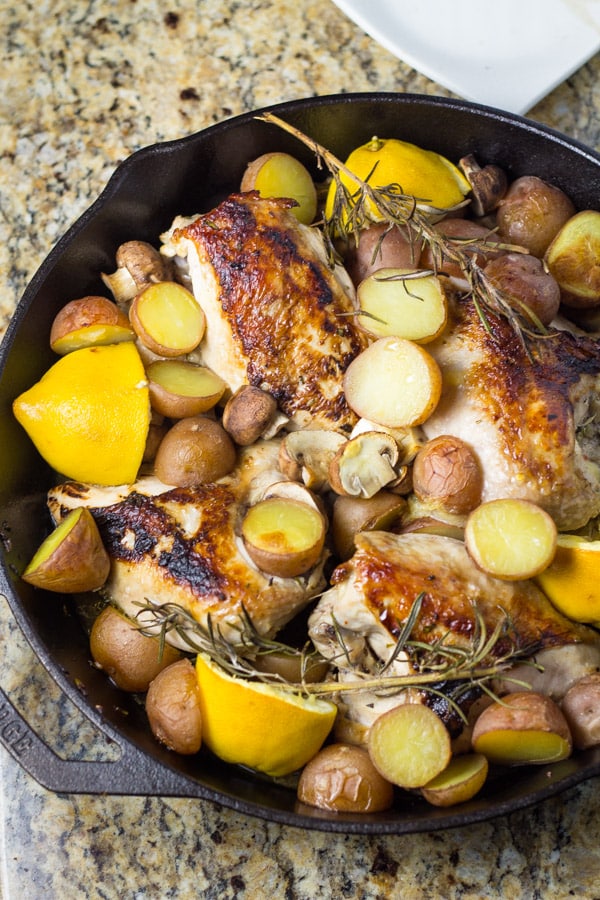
x=130, y=658
x=581, y=709
x=173, y=708
x=380, y=247
x=472, y=238
x=446, y=472
x=196, y=450
x=341, y=777
x=532, y=213
x=524, y=282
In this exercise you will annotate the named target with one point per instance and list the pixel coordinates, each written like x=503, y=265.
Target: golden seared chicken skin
x=356, y=623
x=534, y=420
x=182, y=545
x=277, y=313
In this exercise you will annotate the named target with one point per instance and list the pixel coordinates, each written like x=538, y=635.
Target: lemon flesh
x=89, y=415
x=572, y=580
x=429, y=177
x=259, y=725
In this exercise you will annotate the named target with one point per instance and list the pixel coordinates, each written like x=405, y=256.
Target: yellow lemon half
x=88, y=416
x=572, y=580
x=429, y=177
x=260, y=725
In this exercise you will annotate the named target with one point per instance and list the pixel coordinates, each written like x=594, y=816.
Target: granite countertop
x=84, y=85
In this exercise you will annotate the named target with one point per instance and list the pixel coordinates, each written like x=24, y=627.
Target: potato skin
x=173, y=708
x=522, y=711
x=342, y=778
x=463, y=778
x=446, y=471
x=130, y=658
x=523, y=278
x=196, y=450
x=86, y=311
x=354, y=514
x=76, y=564
x=531, y=213
x=581, y=709
x=380, y=247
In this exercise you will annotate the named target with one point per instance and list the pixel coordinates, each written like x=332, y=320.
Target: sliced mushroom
x=306, y=456
x=488, y=184
x=138, y=265
x=409, y=440
x=292, y=490
x=364, y=465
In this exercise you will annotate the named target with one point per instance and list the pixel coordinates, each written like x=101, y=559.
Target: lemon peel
x=262, y=726
x=572, y=580
x=424, y=174
x=89, y=414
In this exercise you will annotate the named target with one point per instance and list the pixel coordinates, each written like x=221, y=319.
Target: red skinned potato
x=532, y=213
x=89, y=321
x=573, y=259
x=520, y=729
x=173, y=708
x=380, y=247
x=581, y=709
x=131, y=659
x=525, y=284
x=342, y=777
x=471, y=238
x=72, y=559
x=196, y=450
x=447, y=473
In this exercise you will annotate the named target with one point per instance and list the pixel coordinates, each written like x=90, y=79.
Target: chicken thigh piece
x=182, y=545
x=356, y=623
x=278, y=316
x=534, y=422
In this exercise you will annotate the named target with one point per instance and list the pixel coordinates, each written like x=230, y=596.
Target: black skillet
x=144, y=194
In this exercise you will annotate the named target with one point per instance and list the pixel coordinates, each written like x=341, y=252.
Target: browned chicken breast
x=182, y=545
x=534, y=423
x=357, y=622
x=277, y=314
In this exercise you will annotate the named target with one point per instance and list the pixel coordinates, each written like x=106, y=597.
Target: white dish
x=507, y=55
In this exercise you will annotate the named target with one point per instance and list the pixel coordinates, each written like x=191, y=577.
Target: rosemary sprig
x=355, y=209
x=235, y=655
x=432, y=664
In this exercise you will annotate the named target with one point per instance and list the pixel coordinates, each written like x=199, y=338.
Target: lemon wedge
x=89, y=415
x=572, y=580
x=429, y=177
x=260, y=725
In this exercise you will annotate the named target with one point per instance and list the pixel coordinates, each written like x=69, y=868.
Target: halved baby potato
x=524, y=728
x=407, y=303
x=279, y=174
x=179, y=388
x=394, y=382
x=284, y=537
x=167, y=319
x=88, y=322
x=511, y=539
x=72, y=559
x=463, y=777
x=409, y=745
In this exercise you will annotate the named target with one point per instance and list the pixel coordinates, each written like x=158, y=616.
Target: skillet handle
x=129, y=775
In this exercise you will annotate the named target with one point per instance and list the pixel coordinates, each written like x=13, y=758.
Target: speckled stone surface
x=84, y=85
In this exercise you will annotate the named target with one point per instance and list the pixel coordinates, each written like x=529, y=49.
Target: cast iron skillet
x=142, y=197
